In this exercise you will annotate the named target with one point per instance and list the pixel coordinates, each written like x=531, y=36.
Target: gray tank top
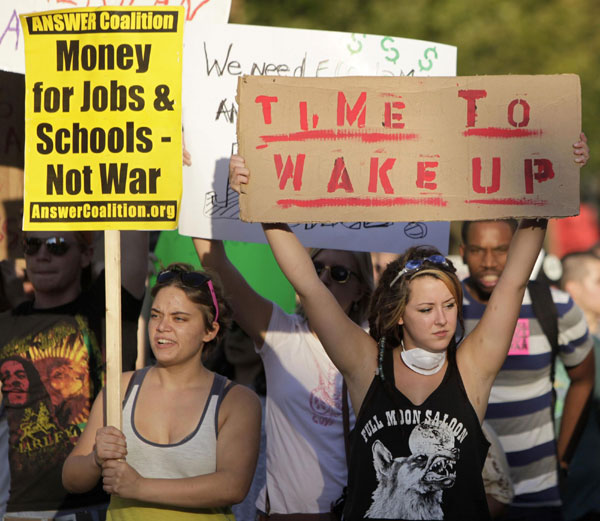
x=194, y=455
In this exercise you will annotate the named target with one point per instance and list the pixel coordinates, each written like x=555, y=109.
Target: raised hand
x=238, y=173
x=581, y=150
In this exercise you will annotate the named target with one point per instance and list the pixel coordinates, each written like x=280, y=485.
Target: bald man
x=581, y=279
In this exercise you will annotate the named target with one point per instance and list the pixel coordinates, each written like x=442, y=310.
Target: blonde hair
x=389, y=302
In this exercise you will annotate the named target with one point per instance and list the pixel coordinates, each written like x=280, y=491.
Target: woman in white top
x=306, y=457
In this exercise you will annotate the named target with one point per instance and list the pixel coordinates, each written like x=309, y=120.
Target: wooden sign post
x=112, y=266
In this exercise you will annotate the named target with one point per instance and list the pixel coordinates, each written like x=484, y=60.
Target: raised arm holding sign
x=421, y=399
x=409, y=366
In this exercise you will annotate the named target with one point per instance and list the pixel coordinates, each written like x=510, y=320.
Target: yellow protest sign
x=103, y=118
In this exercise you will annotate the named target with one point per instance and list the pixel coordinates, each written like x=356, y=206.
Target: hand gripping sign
x=430, y=149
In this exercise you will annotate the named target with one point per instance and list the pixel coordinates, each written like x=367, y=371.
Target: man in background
x=57, y=339
x=581, y=279
x=520, y=408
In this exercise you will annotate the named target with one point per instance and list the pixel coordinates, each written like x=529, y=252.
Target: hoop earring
x=380, y=358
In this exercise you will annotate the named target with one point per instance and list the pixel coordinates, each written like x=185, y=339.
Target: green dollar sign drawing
x=426, y=54
x=395, y=51
x=359, y=44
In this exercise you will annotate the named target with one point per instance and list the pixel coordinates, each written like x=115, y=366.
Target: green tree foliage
x=492, y=37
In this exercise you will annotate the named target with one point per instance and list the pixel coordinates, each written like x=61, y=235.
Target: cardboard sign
x=103, y=119
x=428, y=149
x=215, y=58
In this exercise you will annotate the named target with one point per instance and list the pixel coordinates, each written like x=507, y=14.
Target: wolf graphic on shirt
x=411, y=487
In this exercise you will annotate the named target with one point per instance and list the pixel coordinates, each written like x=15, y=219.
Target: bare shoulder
x=241, y=397
x=126, y=376
x=240, y=412
x=125, y=379
x=240, y=403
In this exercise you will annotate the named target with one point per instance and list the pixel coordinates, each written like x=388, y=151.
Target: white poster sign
x=215, y=58
x=12, y=56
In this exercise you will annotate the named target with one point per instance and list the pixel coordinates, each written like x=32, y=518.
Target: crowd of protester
x=395, y=391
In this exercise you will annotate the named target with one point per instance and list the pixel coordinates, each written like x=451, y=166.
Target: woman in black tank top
x=417, y=447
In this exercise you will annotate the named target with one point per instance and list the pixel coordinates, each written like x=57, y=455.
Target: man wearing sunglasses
x=520, y=409
x=59, y=335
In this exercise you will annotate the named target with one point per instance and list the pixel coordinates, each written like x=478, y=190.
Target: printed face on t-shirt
x=15, y=383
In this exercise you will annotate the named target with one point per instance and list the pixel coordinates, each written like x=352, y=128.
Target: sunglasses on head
x=57, y=246
x=191, y=279
x=338, y=273
x=414, y=265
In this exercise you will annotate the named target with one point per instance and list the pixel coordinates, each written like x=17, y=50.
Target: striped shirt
x=520, y=404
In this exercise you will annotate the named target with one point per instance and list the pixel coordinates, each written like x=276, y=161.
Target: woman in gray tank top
x=190, y=438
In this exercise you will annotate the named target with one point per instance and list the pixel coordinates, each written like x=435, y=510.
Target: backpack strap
x=545, y=311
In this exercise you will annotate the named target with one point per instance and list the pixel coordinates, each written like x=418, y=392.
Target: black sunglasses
x=337, y=272
x=57, y=246
x=192, y=279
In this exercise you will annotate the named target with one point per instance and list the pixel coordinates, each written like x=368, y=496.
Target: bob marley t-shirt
x=51, y=369
x=417, y=462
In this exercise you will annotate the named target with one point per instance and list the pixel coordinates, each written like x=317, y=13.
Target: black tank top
x=417, y=462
